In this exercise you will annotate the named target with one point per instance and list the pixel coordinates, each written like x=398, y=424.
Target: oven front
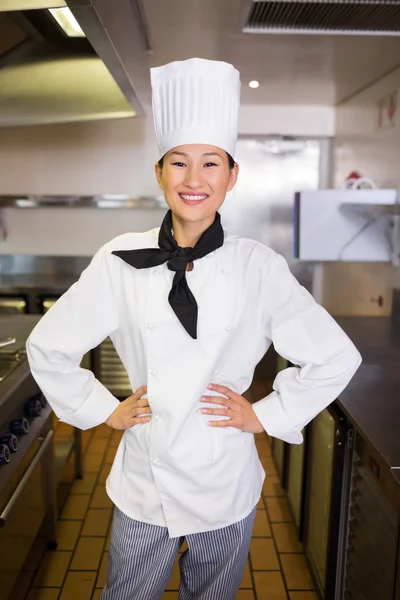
x=27, y=499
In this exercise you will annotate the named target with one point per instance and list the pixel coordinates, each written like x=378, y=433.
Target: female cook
x=191, y=310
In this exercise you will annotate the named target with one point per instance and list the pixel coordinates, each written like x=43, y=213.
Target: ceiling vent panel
x=340, y=17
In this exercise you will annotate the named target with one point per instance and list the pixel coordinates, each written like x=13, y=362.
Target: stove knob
x=10, y=441
x=42, y=401
x=34, y=408
x=4, y=454
x=20, y=426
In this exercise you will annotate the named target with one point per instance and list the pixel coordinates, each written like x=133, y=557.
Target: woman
x=191, y=311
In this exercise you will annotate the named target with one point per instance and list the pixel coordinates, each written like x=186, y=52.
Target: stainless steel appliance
x=371, y=566
x=27, y=491
x=11, y=305
x=327, y=486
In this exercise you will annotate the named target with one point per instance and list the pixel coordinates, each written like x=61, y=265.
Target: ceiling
x=292, y=69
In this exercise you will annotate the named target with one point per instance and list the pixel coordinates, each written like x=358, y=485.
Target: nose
x=193, y=177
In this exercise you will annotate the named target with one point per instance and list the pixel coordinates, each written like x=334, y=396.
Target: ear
x=233, y=177
x=159, y=176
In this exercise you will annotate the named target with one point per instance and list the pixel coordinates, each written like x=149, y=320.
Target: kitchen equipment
x=7, y=342
x=371, y=560
x=10, y=304
x=328, y=474
x=27, y=490
x=347, y=225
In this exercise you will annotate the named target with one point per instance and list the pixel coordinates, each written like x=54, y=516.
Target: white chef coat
x=176, y=471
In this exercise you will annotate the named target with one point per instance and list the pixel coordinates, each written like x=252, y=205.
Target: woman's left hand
x=238, y=409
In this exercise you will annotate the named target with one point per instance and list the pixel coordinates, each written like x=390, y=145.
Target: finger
x=224, y=423
x=140, y=391
x=218, y=411
x=218, y=400
x=135, y=398
x=138, y=420
x=223, y=389
x=140, y=411
x=141, y=402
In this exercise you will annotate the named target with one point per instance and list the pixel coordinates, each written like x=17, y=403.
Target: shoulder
x=132, y=241
x=246, y=250
x=257, y=263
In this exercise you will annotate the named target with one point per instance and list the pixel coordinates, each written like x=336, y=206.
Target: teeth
x=185, y=197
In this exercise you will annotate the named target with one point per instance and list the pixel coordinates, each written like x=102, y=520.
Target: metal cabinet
x=328, y=480
x=371, y=567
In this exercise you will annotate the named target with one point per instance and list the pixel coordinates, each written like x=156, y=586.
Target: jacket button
x=228, y=328
x=215, y=371
x=210, y=456
x=150, y=326
x=153, y=372
x=157, y=417
x=224, y=271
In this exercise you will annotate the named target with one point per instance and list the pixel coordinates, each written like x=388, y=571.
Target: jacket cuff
x=272, y=417
x=96, y=409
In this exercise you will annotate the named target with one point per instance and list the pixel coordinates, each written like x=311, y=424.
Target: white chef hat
x=196, y=101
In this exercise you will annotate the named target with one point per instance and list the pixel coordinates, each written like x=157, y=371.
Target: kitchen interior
x=319, y=151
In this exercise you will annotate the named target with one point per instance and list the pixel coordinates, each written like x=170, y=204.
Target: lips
x=193, y=199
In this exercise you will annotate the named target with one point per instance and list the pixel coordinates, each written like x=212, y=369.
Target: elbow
x=355, y=359
x=30, y=347
x=35, y=350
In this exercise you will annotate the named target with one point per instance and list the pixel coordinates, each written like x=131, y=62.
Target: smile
x=193, y=197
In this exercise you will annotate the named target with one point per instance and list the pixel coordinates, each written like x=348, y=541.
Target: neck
x=187, y=234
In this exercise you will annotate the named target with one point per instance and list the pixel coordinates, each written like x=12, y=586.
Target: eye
x=211, y=164
x=178, y=164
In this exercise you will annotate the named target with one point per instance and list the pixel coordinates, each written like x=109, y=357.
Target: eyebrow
x=186, y=155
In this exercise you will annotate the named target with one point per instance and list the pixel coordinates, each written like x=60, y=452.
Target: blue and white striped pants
x=142, y=557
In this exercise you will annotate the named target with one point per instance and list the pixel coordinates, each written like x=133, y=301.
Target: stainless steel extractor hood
x=48, y=77
x=30, y=4
x=333, y=17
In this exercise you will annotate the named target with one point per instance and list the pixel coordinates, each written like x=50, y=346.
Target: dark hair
x=231, y=162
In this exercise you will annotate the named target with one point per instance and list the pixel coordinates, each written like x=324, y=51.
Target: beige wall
x=118, y=156
x=360, y=145
x=114, y=157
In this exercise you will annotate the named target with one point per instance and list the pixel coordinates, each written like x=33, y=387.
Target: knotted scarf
x=181, y=299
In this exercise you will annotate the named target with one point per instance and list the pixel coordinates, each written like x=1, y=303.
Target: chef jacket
x=176, y=470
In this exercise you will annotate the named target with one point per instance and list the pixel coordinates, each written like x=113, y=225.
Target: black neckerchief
x=181, y=299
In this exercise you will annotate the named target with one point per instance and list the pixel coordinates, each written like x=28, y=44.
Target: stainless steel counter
x=372, y=399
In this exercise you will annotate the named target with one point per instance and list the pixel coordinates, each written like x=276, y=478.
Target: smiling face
x=195, y=179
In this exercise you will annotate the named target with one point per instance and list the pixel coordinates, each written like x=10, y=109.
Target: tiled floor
x=276, y=569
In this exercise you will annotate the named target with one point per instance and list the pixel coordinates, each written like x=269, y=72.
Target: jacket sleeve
x=306, y=335
x=82, y=318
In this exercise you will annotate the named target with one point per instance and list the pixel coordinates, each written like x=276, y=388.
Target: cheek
x=219, y=184
x=172, y=180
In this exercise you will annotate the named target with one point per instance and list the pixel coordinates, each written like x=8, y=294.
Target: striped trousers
x=142, y=557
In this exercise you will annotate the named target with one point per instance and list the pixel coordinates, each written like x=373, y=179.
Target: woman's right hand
x=130, y=412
